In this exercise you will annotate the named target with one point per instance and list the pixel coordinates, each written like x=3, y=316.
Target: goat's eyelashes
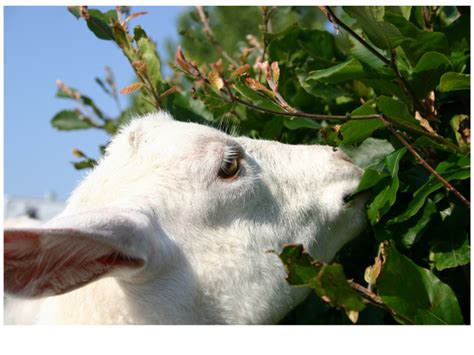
x=230, y=166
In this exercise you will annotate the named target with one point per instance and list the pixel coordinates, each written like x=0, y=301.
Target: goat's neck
x=100, y=302
x=109, y=301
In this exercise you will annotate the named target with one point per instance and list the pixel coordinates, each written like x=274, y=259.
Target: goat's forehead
x=160, y=135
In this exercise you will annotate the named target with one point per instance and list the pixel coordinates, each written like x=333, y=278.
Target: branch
x=389, y=62
x=425, y=164
x=210, y=35
x=404, y=84
x=267, y=27
x=375, y=300
x=296, y=113
x=384, y=119
x=192, y=70
x=332, y=18
x=316, y=117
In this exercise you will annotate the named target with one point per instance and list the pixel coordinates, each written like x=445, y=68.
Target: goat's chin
x=355, y=218
x=350, y=223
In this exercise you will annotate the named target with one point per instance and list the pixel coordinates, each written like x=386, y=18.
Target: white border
x=288, y=340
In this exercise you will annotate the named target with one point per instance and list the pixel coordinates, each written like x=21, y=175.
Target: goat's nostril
x=347, y=198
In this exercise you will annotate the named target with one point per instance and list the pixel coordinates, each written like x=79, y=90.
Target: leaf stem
x=425, y=164
x=296, y=113
x=375, y=300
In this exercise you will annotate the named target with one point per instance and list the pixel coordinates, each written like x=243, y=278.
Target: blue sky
x=42, y=44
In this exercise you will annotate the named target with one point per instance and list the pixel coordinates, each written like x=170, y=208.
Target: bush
x=388, y=85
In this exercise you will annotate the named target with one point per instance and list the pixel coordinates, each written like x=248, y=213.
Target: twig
x=210, y=35
x=317, y=117
x=334, y=19
x=191, y=69
x=110, y=79
x=311, y=116
x=391, y=63
x=375, y=300
x=155, y=95
x=404, y=84
x=267, y=27
x=425, y=164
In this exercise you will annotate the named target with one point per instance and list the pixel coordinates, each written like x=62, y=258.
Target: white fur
x=204, y=241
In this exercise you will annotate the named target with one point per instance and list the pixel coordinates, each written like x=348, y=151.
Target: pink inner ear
x=49, y=262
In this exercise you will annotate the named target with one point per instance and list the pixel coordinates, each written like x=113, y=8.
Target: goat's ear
x=45, y=262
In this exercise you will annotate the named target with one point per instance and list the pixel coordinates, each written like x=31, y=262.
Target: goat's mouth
x=350, y=197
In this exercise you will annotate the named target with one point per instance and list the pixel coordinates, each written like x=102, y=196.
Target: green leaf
x=121, y=37
x=361, y=53
x=139, y=33
x=85, y=164
x=149, y=55
x=328, y=281
x=75, y=11
x=408, y=237
x=102, y=85
x=429, y=142
x=369, y=153
x=331, y=285
x=317, y=44
x=396, y=109
x=452, y=81
x=405, y=11
x=451, y=252
x=216, y=104
x=76, y=95
x=419, y=41
x=386, y=198
x=461, y=128
x=428, y=71
x=349, y=70
x=256, y=98
x=385, y=86
x=110, y=126
x=430, y=61
x=183, y=108
x=415, y=293
x=99, y=24
x=358, y=130
x=68, y=120
x=429, y=187
x=355, y=131
x=370, y=179
x=300, y=122
x=320, y=90
x=299, y=265
x=392, y=161
x=450, y=240
x=272, y=128
x=383, y=34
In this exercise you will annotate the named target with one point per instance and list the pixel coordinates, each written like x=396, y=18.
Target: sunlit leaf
x=454, y=81
x=99, y=24
x=415, y=293
x=68, y=120
x=383, y=34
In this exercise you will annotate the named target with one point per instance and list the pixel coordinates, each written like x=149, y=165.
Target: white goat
x=181, y=216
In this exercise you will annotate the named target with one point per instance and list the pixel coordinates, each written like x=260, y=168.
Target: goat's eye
x=230, y=168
